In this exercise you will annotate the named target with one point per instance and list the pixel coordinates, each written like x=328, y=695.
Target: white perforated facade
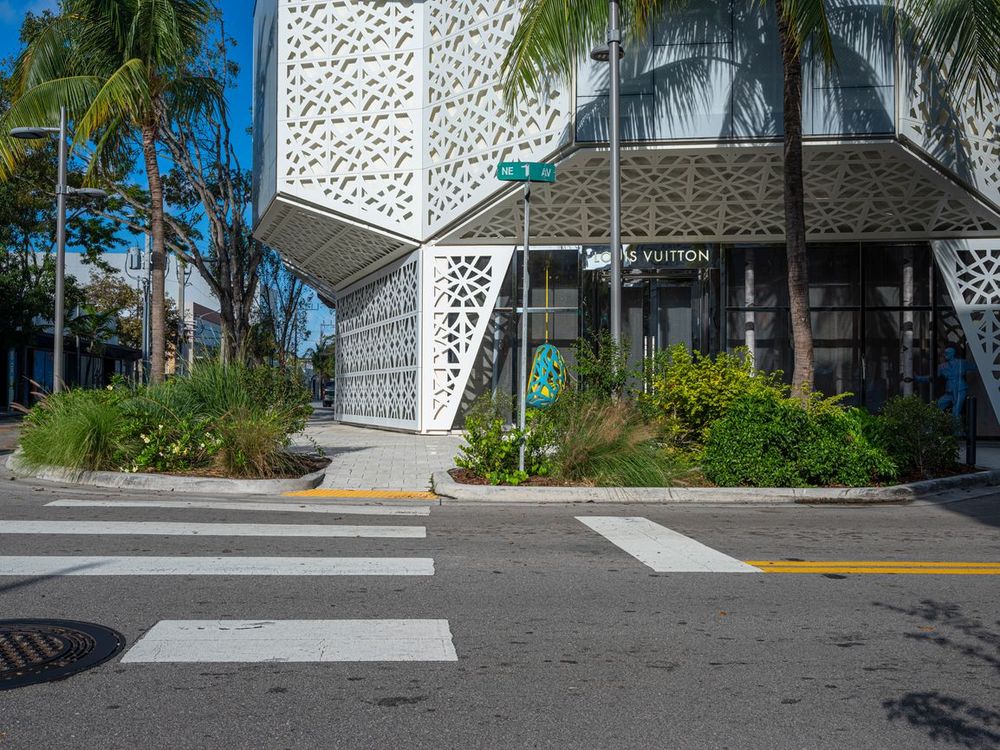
x=379, y=125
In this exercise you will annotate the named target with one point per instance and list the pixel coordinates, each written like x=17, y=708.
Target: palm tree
x=120, y=68
x=554, y=35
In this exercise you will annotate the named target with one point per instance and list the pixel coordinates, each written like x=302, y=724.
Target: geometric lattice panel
x=468, y=129
x=971, y=271
x=461, y=287
x=735, y=193
x=350, y=117
x=378, y=348
x=954, y=132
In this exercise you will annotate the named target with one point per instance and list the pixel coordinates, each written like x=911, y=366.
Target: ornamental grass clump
x=80, y=430
x=607, y=443
x=222, y=419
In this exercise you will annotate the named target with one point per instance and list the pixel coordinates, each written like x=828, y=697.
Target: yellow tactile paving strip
x=880, y=567
x=369, y=494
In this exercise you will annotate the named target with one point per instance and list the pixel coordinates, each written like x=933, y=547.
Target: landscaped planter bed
x=450, y=490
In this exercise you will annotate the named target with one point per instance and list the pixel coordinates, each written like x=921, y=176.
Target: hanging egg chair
x=548, y=377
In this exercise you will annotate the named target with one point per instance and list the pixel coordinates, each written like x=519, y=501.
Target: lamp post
x=183, y=277
x=612, y=53
x=62, y=190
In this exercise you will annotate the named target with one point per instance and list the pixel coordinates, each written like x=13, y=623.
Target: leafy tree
x=554, y=35
x=324, y=358
x=109, y=294
x=118, y=66
x=283, y=309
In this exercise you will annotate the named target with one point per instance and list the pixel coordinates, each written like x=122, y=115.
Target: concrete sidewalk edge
x=164, y=482
x=450, y=490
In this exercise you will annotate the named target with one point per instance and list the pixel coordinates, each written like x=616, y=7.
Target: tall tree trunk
x=158, y=258
x=795, y=209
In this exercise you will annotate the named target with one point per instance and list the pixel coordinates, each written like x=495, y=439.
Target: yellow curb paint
x=876, y=567
x=370, y=494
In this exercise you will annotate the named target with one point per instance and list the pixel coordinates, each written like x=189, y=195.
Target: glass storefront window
x=555, y=278
x=897, y=275
x=880, y=313
x=834, y=276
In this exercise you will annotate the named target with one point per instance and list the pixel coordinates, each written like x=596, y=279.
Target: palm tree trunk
x=795, y=211
x=158, y=258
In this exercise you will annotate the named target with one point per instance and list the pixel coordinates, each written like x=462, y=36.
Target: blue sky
x=238, y=18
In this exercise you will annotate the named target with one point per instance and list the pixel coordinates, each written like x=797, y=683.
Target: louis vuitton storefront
x=881, y=315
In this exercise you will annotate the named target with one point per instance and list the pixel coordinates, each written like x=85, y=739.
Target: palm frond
x=125, y=95
x=188, y=96
x=962, y=34
x=551, y=38
x=38, y=107
x=45, y=57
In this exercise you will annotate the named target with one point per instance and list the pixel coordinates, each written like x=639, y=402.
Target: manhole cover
x=33, y=651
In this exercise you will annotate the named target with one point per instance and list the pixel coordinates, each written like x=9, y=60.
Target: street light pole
x=62, y=191
x=614, y=134
x=60, y=316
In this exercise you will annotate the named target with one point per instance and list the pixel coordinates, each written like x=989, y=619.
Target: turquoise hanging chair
x=548, y=377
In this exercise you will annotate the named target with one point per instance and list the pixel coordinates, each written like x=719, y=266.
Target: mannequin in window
x=956, y=388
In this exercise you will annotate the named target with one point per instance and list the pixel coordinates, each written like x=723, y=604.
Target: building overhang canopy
x=854, y=191
x=327, y=251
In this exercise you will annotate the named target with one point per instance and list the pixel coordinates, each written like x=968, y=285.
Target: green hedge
x=765, y=440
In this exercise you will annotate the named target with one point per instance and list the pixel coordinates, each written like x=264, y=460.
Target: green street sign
x=526, y=171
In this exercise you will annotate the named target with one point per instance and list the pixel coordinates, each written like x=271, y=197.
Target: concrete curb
x=164, y=482
x=450, y=490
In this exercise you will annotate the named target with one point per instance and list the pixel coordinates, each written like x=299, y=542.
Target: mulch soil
x=464, y=476
x=305, y=465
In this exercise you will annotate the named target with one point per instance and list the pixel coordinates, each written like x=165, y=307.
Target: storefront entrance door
x=671, y=315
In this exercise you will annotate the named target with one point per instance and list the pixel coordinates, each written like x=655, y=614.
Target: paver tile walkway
x=368, y=459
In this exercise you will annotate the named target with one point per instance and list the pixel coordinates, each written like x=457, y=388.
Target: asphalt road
x=563, y=639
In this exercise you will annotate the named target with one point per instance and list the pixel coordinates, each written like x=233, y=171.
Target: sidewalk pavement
x=368, y=459
x=987, y=454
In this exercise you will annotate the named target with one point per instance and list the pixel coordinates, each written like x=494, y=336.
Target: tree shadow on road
x=949, y=719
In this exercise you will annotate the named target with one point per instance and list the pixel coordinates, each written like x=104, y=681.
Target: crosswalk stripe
x=243, y=641
x=663, y=549
x=347, y=510
x=53, y=565
x=209, y=529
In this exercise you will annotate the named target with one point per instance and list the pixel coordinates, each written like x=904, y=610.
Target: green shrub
x=767, y=440
x=689, y=391
x=227, y=418
x=607, y=443
x=78, y=429
x=602, y=370
x=920, y=437
x=492, y=447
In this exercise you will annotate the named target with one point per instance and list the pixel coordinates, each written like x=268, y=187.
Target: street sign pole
x=523, y=388
x=527, y=173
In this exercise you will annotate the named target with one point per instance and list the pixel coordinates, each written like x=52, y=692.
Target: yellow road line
x=876, y=567
x=369, y=494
